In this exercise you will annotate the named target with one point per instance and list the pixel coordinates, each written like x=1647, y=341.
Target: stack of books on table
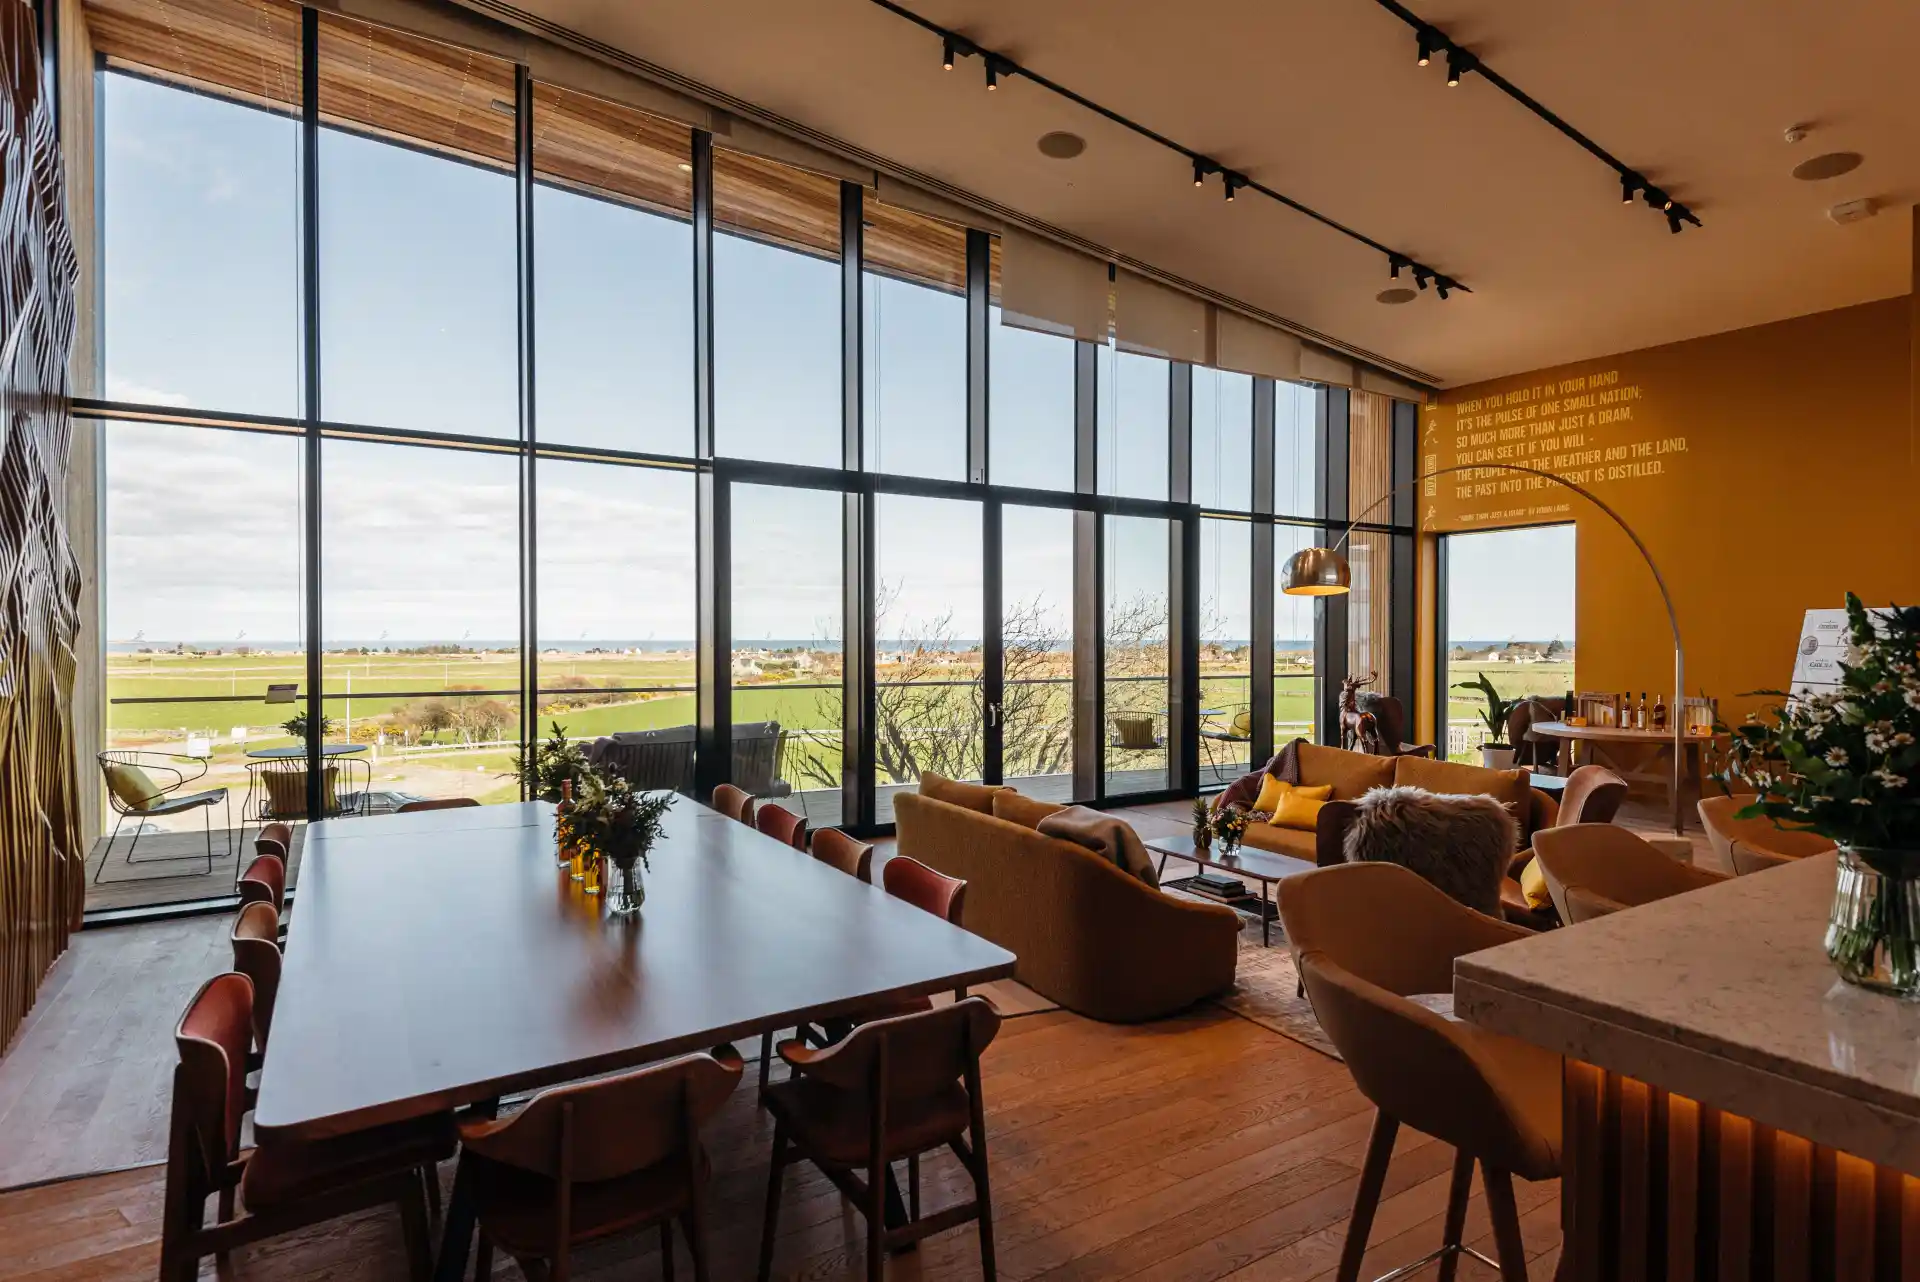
x=1220, y=886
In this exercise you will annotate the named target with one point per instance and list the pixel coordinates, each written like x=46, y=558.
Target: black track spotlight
x=947, y=53
x=993, y=73
x=1629, y=188
x=1421, y=276
x=1459, y=63
x=1428, y=40
x=1232, y=181
x=1394, y=263
x=1441, y=284
x=1201, y=168
x=1675, y=220
x=1655, y=198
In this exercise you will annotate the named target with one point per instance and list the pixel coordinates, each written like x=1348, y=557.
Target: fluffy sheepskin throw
x=1462, y=844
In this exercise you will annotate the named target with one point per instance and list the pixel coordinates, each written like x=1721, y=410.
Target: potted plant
x=553, y=764
x=1202, y=825
x=296, y=725
x=1846, y=765
x=613, y=822
x=1495, y=753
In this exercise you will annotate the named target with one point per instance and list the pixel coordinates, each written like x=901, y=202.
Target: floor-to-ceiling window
x=1510, y=623
x=1037, y=633
x=1136, y=667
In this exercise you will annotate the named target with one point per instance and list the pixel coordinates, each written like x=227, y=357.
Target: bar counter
x=1731, y=1108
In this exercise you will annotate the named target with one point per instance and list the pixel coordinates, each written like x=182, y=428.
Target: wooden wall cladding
x=42, y=876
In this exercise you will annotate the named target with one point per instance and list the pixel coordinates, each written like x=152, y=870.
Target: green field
x=1511, y=679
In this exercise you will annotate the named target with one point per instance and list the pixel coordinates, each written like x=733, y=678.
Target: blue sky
x=418, y=330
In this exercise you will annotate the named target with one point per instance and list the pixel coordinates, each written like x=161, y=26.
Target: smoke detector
x=1853, y=211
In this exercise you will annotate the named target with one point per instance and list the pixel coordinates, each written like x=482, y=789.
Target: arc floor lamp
x=1324, y=572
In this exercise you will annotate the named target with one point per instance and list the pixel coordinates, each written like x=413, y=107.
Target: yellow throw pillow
x=1533, y=886
x=132, y=786
x=1272, y=790
x=1300, y=809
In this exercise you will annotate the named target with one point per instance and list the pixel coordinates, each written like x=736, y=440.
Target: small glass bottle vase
x=1873, y=931
x=626, y=889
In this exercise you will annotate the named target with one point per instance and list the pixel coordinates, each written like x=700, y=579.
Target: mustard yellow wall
x=1797, y=482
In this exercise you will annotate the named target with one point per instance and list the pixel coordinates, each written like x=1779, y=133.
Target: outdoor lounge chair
x=132, y=789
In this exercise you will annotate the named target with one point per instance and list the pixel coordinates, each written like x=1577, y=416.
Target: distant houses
x=1518, y=652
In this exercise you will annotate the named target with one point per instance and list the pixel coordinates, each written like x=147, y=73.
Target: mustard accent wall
x=1768, y=470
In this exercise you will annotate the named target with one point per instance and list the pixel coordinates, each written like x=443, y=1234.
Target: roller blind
x=1372, y=381
x=1052, y=289
x=1150, y=318
x=1317, y=366
x=1248, y=347
x=891, y=191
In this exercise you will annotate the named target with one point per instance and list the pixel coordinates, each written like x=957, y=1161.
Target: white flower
x=1801, y=810
x=1861, y=801
x=1836, y=757
x=1819, y=798
x=1913, y=697
x=1877, y=741
x=1901, y=739
x=1890, y=779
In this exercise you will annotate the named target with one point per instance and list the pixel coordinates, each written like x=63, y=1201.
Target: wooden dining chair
x=435, y=803
x=264, y=882
x=782, y=825
x=837, y=850
x=896, y=1088
x=937, y=893
x=734, y=803
x=256, y=954
x=280, y=1185
x=585, y=1162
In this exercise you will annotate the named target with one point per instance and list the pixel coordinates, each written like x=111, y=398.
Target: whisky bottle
x=1659, y=712
x=1640, y=712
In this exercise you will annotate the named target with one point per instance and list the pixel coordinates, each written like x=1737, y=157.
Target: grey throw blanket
x=1112, y=839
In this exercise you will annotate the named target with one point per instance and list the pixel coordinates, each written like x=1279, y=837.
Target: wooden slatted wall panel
x=1369, y=480
x=41, y=868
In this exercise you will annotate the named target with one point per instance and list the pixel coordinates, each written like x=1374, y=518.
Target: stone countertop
x=1724, y=995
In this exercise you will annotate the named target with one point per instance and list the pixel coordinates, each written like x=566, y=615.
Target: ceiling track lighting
x=1432, y=40
x=1421, y=276
x=955, y=46
x=1441, y=285
x=1394, y=263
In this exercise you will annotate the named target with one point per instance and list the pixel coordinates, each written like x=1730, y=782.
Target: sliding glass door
x=1037, y=641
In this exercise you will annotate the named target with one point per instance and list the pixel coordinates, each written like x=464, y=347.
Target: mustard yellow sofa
x=1093, y=938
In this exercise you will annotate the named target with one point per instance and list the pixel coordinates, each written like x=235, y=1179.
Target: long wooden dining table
x=441, y=959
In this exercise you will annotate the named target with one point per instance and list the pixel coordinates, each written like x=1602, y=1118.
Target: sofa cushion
x=131, y=786
x=1281, y=841
x=1352, y=774
x=1272, y=790
x=1025, y=811
x=1533, y=886
x=1511, y=788
x=1300, y=809
x=974, y=796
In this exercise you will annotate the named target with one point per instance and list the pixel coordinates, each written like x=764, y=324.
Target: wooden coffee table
x=1262, y=866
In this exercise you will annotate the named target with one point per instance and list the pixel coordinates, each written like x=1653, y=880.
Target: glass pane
x=1369, y=609
x=1222, y=439
x=776, y=312
x=787, y=633
x=1226, y=671
x=420, y=612
x=418, y=313
x=926, y=627
x=1136, y=653
x=1037, y=631
x=1030, y=400
x=201, y=212
x=613, y=276
x=1134, y=396
x=914, y=361
x=1510, y=617
x=1296, y=455
x=203, y=588
x=616, y=615
x=1296, y=689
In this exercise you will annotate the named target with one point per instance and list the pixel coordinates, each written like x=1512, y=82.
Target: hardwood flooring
x=1190, y=1150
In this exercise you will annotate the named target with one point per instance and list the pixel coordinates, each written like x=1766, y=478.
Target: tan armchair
x=1494, y=1099
x=1751, y=845
x=1595, y=869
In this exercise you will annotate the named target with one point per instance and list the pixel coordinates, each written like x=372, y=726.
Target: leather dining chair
x=837, y=850
x=256, y=954
x=734, y=803
x=1592, y=796
x=1494, y=1099
x=435, y=803
x=1595, y=869
x=594, y=1160
x=894, y=1088
x=280, y=1185
x=1752, y=845
x=264, y=882
x=782, y=825
x=275, y=838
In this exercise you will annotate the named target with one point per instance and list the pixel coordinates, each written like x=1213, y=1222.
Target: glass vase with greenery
x=612, y=821
x=1846, y=764
x=552, y=764
x=1230, y=826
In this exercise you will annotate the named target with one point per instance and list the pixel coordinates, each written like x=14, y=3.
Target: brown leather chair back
x=1434, y=1074
x=256, y=954
x=921, y=886
x=600, y=1130
x=1521, y=718
x=436, y=803
x=1613, y=865
x=275, y=838
x=1767, y=845
x=210, y=1082
x=1582, y=904
x=734, y=803
x=782, y=825
x=264, y=882
x=1592, y=796
x=925, y=1052
x=836, y=849
x=1747, y=858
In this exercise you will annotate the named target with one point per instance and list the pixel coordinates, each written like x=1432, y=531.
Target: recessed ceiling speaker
x=1831, y=165
x=1061, y=145
x=1395, y=297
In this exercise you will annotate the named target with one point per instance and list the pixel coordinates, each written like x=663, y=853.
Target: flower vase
x=1873, y=930
x=625, y=896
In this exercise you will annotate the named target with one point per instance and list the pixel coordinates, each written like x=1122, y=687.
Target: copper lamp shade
x=1316, y=572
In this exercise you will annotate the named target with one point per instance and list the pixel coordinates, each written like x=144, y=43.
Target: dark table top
x=440, y=958
x=1262, y=865
x=287, y=754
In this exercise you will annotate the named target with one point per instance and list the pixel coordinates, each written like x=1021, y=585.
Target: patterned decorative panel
x=41, y=866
